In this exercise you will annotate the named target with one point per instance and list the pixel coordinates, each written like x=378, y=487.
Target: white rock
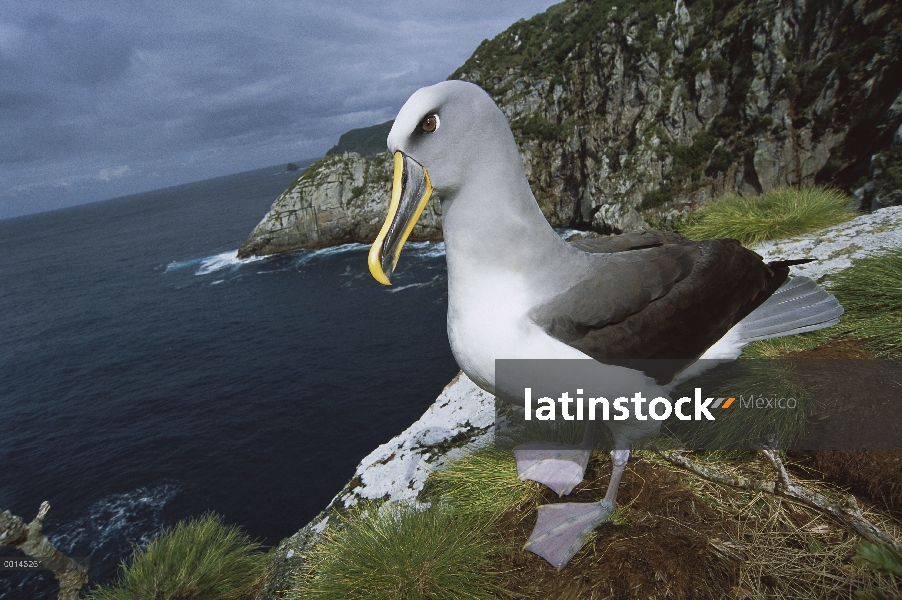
x=836, y=247
x=397, y=470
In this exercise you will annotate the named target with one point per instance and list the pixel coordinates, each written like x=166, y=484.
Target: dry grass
x=785, y=549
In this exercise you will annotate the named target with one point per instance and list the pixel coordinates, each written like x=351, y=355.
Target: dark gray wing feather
x=658, y=295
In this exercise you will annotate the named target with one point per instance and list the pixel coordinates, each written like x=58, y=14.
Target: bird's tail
x=799, y=305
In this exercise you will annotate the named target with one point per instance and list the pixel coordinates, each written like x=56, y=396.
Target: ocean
x=148, y=376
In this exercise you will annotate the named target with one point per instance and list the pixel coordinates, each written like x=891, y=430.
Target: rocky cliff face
x=631, y=113
x=341, y=198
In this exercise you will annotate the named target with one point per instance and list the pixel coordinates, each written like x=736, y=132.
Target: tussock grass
x=780, y=347
x=871, y=293
x=402, y=553
x=200, y=559
x=772, y=215
x=485, y=482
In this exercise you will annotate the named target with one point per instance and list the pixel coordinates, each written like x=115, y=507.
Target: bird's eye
x=429, y=123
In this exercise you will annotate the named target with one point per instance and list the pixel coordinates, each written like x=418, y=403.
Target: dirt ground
x=874, y=475
x=661, y=549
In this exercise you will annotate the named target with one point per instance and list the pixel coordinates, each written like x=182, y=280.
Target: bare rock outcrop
x=341, y=198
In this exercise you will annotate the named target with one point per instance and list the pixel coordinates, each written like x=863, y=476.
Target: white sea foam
x=427, y=249
x=211, y=264
x=566, y=233
x=226, y=260
x=305, y=256
x=431, y=282
x=114, y=522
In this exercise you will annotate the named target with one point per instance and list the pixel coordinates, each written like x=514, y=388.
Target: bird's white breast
x=488, y=319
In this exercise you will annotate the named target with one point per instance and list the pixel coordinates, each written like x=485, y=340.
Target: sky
x=104, y=99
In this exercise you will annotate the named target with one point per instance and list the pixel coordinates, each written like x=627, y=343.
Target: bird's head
x=433, y=140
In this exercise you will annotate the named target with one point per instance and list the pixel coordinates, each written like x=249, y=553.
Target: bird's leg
x=562, y=529
x=559, y=466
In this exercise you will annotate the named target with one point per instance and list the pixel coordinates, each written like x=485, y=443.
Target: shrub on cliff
x=776, y=214
x=201, y=559
x=402, y=553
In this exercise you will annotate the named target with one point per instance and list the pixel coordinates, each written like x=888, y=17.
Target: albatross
x=516, y=290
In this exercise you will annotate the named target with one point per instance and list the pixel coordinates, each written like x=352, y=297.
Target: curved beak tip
x=411, y=190
x=374, y=260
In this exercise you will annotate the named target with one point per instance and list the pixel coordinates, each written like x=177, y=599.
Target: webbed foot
x=559, y=466
x=562, y=529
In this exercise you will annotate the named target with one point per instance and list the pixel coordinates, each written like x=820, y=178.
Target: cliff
x=633, y=113
x=367, y=141
x=341, y=198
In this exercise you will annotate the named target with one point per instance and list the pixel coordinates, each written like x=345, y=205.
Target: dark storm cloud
x=87, y=52
x=104, y=98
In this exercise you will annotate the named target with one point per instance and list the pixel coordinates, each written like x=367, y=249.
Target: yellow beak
x=411, y=190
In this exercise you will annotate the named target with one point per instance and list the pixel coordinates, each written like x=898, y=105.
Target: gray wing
x=657, y=295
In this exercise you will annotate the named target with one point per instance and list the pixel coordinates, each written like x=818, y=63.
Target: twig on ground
x=846, y=512
x=29, y=539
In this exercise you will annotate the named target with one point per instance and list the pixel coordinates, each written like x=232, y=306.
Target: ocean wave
x=116, y=521
x=426, y=249
x=211, y=264
x=400, y=288
x=565, y=233
x=226, y=260
x=298, y=258
x=303, y=257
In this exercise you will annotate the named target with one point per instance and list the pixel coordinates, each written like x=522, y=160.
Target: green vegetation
x=537, y=128
x=443, y=550
x=201, y=559
x=780, y=347
x=542, y=44
x=776, y=214
x=367, y=141
x=313, y=170
x=737, y=430
x=402, y=553
x=485, y=482
x=871, y=293
x=878, y=557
